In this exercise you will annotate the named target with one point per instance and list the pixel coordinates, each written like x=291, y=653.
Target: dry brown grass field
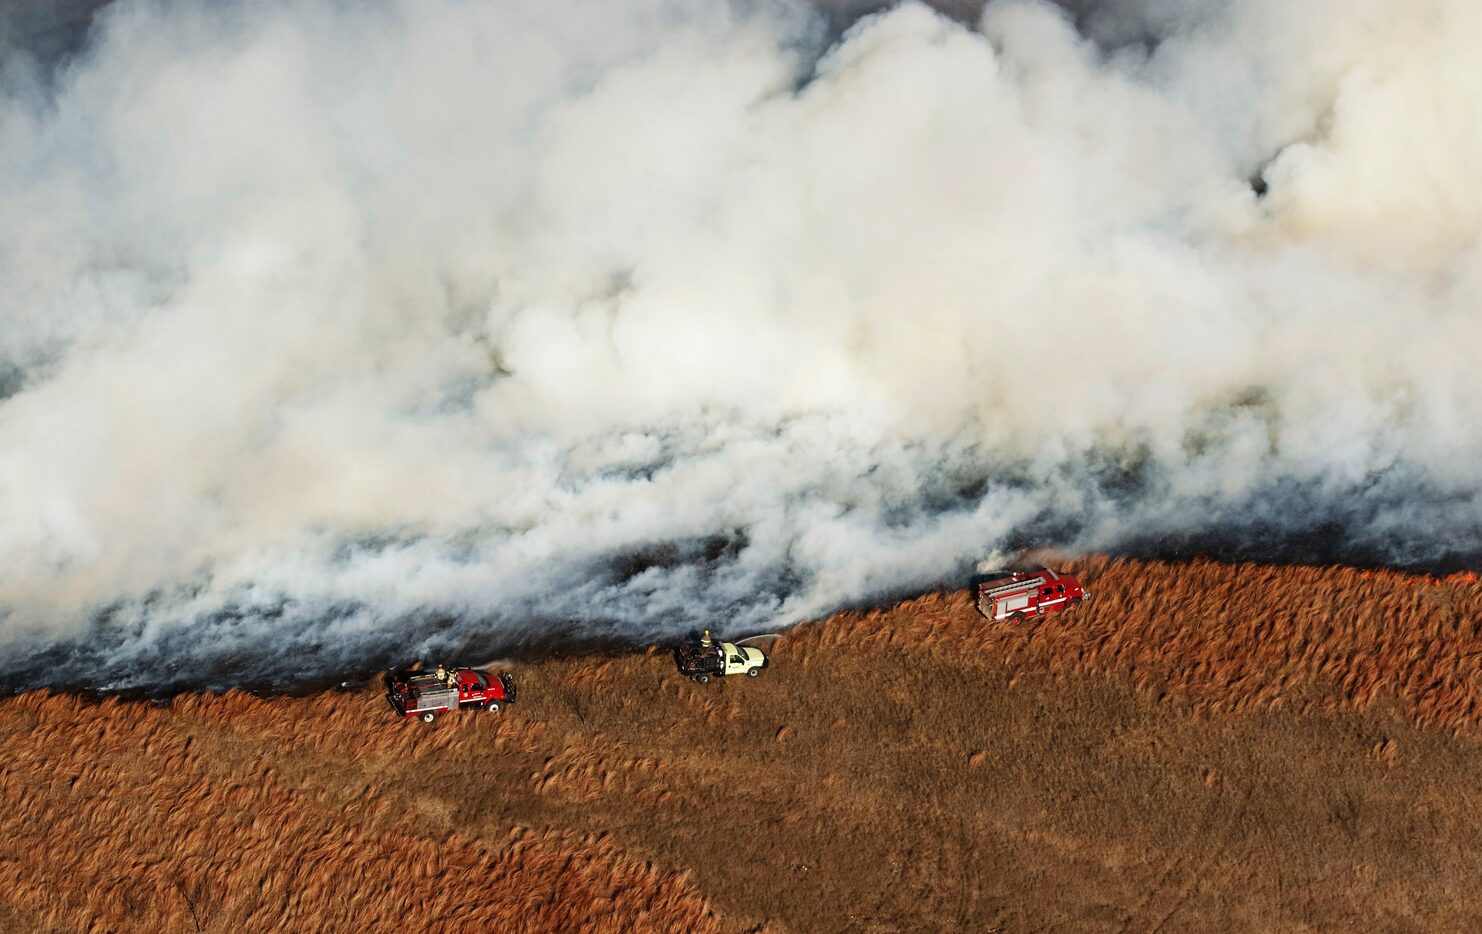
x=1199, y=747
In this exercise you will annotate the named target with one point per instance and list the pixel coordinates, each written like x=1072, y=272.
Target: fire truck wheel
x=492, y=707
x=428, y=717
x=1075, y=601
x=753, y=672
x=1016, y=618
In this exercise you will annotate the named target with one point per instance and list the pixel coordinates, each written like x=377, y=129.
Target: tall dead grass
x=126, y=817
x=1226, y=637
x=586, y=806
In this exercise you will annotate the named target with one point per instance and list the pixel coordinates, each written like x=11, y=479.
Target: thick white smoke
x=336, y=333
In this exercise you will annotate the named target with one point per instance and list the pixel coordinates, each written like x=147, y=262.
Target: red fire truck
x=424, y=694
x=1021, y=594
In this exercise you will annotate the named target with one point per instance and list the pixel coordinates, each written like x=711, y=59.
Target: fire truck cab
x=423, y=694
x=1021, y=594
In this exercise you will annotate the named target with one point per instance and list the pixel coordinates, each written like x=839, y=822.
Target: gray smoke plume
x=333, y=335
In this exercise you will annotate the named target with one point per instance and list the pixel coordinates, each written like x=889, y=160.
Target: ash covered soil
x=1199, y=747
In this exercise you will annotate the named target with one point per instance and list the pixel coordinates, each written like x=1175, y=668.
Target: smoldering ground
x=335, y=336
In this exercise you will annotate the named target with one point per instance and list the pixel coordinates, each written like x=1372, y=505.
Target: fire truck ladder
x=1027, y=583
x=988, y=599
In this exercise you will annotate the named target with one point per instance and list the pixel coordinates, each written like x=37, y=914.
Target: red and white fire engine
x=426, y=694
x=1021, y=594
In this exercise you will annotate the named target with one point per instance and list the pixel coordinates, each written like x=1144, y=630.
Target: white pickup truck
x=707, y=658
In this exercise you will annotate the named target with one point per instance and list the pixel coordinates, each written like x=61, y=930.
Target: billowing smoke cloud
x=339, y=334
